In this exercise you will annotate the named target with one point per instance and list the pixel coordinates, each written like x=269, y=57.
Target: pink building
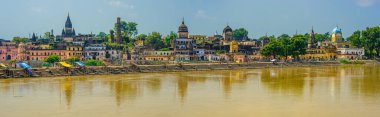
x=8, y=51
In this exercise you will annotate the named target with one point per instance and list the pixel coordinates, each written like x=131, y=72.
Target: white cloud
x=202, y=14
x=365, y=3
x=121, y=4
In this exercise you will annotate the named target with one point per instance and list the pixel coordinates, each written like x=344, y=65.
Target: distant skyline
x=205, y=17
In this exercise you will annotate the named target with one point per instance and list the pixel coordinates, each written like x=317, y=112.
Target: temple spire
x=68, y=22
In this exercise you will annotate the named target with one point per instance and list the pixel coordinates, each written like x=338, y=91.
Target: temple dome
x=227, y=29
x=183, y=27
x=336, y=30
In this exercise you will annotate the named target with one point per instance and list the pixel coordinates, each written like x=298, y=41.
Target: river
x=325, y=91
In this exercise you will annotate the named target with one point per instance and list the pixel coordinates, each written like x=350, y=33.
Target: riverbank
x=79, y=71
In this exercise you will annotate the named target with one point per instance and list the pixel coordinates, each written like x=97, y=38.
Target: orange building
x=40, y=54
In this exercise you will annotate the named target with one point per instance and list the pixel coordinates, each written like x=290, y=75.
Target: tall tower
x=118, y=31
x=68, y=31
x=311, y=41
x=183, y=31
x=34, y=38
x=51, y=36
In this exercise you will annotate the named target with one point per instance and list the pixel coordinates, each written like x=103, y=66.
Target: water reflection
x=67, y=89
x=284, y=80
x=359, y=82
x=365, y=81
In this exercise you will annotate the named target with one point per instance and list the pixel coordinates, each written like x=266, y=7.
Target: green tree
x=131, y=45
x=298, y=44
x=283, y=36
x=169, y=38
x=94, y=63
x=72, y=60
x=19, y=39
x=46, y=35
x=286, y=44
x=101, y=35
x=320, y=37
x=326, y=36
x=52, y=59
x=128, y=30
x=141, y=37
x=262, y=38
x=240, y=34
x=273, y=48
x=154, y=41
x=355, y=40
x=132, y=29
x=370, y=37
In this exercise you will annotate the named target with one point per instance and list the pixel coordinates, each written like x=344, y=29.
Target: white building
x=350, y=53
x=95, y=52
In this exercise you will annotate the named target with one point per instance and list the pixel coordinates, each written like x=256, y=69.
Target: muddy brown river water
x=327, y=91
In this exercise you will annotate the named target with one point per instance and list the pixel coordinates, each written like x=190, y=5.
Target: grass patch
x=344, y=61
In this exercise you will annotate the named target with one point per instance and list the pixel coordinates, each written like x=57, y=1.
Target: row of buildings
x=67, y=45
x=218, y=47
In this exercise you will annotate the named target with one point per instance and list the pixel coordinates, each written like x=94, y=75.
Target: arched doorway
x=9, y=57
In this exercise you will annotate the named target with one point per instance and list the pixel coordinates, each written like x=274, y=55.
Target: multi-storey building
x=75, y=51
x=37, y=54
x=8, y=51
x=183, y=45
x=95, y=52
x=158, y=55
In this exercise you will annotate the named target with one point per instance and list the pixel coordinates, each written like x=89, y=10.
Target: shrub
x=164, y=49
x=52, y=59
x=344, y=61
x=358, y=62
x=94, y=63
x=73, y=59
x=349, y=62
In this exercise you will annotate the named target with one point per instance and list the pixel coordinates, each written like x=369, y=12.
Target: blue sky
x=23, y=17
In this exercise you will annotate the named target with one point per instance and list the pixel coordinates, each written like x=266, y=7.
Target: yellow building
x=322, y=51
x=336, y=35
x=75, y=52
x=234, y=47
x=325, y=53
x=45, y=46
x=158, y=55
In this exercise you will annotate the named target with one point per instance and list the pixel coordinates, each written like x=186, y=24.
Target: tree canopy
x=273, y=48
x=52, y=59
x=19, y=39
x=141, y=36
x=128, y=30
x=355, y=40
x=154, y=41
x=102, y=35
x=299, y=44
x=94, y=63
x=170, y=37
x=240, y=34
x=285, y=46
x=73, y=59
x=370, y=39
